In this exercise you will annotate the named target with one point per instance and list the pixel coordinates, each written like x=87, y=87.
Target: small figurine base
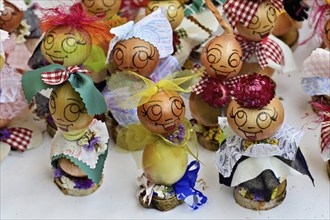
x=261, y=205
x=211, y=145
x=75, y=191
x=161, y=204
x=207, y=136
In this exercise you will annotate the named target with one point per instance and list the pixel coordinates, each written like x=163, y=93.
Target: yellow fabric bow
x=131, y=90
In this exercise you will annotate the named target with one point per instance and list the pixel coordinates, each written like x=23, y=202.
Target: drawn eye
x=49, y=41
x=172, y=11
x=271, y=14
x=254, y=22
x=154, y=8
x=7, y=14
x=140, y=59
x=264, y=120
x=327, y=31
x=234, y=60
x=69, y=45
x=214, y=55
x=178, y=107
x=109, y=3
x=52, y=105
x=154, y=112
x=72, y=112
x=118, y=55
x=240, y=118
x=89, y=3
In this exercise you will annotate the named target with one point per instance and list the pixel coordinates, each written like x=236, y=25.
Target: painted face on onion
x=102, y=7
x=174, y=10
x=222, y=59
x=66, y=46
x=10, y=18
x=163, y=113
x=135, y=55
x=256, y=124
x=261, y=24
x=68, y=110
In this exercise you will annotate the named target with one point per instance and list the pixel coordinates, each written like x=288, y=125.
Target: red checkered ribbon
x=199, y=87
x=59, y=76
x=265, y=49
x=19, y=138
x=229, y=83
x=243, y=10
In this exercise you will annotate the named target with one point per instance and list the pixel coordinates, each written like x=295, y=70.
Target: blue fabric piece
x=316, y=86
x=184, y=188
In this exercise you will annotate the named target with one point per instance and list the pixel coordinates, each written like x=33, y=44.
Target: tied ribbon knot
x=17, y=137
x=59, y=76
x=264, y=50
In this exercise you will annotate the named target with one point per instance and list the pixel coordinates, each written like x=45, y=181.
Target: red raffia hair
x=76, y=17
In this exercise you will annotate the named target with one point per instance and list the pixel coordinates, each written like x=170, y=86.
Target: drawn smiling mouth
x=169, y=126
x=263, y=34
x=252, y=136
x=220, y=73
x=62, y=127
x=57, y=60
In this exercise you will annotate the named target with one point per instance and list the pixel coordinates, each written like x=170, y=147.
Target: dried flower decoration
x=75, y=17
x=216, y=93
x=254, y=91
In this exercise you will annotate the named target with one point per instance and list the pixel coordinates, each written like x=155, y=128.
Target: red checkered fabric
x=243, y=10
x=232, y=82
x=229, y=83
x=199, y=87
x=325, y=133
x=59, y=76
x=19, y=138
x=265, y=49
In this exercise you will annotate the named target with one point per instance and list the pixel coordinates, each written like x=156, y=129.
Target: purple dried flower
x=257, y=197
x=92, y=142
x=83, y=183
x=4, y=134
x=178, y=135
x=182, y=132
x=58, y=172
x=50, y=119
x=170, y=138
